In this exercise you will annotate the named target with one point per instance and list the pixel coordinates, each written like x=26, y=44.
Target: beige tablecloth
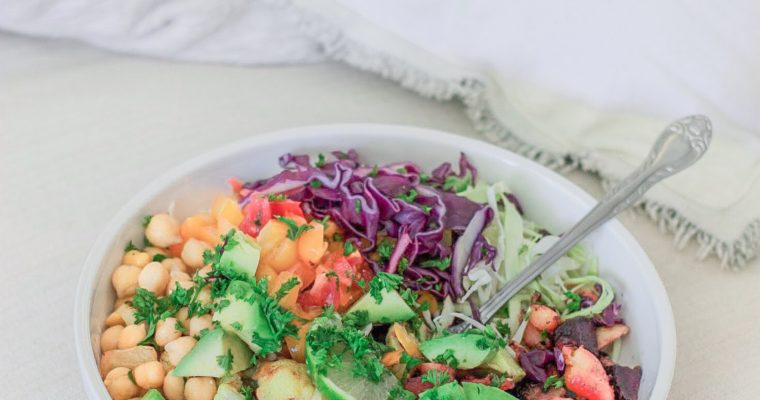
x=81, y=131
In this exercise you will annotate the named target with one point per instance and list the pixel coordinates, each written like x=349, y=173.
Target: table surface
x=82, y=130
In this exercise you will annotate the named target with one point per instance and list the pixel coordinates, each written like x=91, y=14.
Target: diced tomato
x=323, y=292
x=441, y=368
x=484, y=381
x=255, y=215
x=416, y=386
x=287, y=208
x=507, y=384
x=235, y=183
x=335, y=282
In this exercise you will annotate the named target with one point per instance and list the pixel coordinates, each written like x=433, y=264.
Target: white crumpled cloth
x=570, y=84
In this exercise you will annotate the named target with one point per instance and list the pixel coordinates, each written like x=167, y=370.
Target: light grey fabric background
x=82, y=130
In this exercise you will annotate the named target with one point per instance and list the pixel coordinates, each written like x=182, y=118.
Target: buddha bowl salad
x=338, y=280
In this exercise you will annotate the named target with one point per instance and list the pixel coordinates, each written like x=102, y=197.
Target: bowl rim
x=85, y=290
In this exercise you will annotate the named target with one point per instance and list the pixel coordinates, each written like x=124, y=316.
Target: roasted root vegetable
x=283, y=380
x=606, y=335
x=585, y=375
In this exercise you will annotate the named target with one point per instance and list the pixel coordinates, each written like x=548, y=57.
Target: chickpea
x=197, y=324
x=174, y=387
x=109, y=339
x=183, y=283
x=154, y=278
x=149, y=375
x=178, y=348
x=153, y=251
x=127, y=314
x=114, y=319
x=131, y=336
x=192, y=252
x=124, y=280
x=137, y=258
x=182, y=317
x=163, y=230
x=166, y=331
x=200, y=388
x=204, y=297
x=174, y=264
x=118, y=384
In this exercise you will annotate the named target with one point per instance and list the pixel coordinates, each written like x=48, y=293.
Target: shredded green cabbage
x=605, y=298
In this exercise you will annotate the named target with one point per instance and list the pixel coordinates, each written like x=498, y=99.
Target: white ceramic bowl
x=548, y=199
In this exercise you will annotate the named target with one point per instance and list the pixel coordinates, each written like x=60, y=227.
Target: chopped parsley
x=146, y=220
x=401, y=170
x=225, y=362
x=356, y=319
x=130, y=246
x=383, y=281
x=385, y=249
x=456, y=184
x=237, y=326
x=424, y=177
x=503, y=328
x=403, y=264
x=159, y=257
x=294, y=231
x=358, y=205
x=426, y=209
x=348, y=248
x=447, y=358
x=490, y=340
x=320, y=161
x=399, y=393
x=555, y=382
x=286, y=287
x=315, y=183
x=374, y=171
x=408, y=197
x=277, y=197
x=179, y=327
x=151, y=309
x=337, y=237
x=409, y=361
x=440, y=264
x=575, y=301
x=324, y=220
x=435, y=377
x=326, y=343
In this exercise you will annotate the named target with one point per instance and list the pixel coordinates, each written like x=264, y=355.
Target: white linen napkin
x=586, y=85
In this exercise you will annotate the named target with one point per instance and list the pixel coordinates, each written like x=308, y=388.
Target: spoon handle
x=679, y=146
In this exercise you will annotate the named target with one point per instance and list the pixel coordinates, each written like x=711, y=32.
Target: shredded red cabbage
x=421, y=214
x=534, y=363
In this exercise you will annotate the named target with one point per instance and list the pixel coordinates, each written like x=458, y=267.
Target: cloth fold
x=586, y=86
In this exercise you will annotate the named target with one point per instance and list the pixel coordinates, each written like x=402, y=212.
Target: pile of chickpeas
x=130, y=370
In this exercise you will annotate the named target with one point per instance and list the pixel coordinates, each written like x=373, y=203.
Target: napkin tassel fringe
x=472, y=93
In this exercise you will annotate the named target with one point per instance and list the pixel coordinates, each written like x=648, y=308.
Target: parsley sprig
x=383, y=281
x=294, y=230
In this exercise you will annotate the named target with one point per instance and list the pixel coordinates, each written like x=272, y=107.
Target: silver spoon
x=681, y=144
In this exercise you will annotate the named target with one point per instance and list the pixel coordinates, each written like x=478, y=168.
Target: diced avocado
x=502, y=361
x=478, y=391
x=241, y=254
x=153, y=394
x=208, y=356
x=449, y=391
x=392, y=308
x=227, y=392
x=244, y=319
x=464, y=345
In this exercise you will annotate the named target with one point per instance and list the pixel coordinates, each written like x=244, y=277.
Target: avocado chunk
x=207, y=358
x=241, y=254
x=153, y=394
x=392, y=308
x=475, y=391
x=227, y=392
x=503, y=362
x=449, y=391
x=465, y=346
x=243, y=318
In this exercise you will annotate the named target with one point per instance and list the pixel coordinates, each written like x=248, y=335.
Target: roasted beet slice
x=626, y=381
x=578, y=331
